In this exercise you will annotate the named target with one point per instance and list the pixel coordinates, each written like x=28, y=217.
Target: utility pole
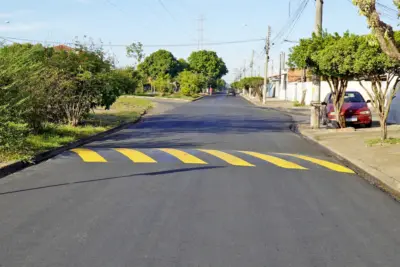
x=283, y=74
x=316, y=80
x=252, y=64
x=267, y=48
x=201, y=32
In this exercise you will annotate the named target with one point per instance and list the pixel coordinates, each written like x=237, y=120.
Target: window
x=353, y=97
x=350, y=97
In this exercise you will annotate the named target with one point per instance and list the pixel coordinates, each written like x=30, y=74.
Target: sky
x=165, y=22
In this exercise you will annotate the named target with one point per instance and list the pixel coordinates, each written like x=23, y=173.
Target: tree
x=372, y=64
x=208, y=64
x=158, y=64
x=383, y=31
x=332, y=57
x=191, y=83
x=336, y=65
x=163, y=84
x=135, y=50
x=43, y=84
x=246, y=83
x=182, y=65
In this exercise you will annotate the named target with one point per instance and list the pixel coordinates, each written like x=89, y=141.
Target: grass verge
x=172, y=96
x=54, y=135
x=378, y=141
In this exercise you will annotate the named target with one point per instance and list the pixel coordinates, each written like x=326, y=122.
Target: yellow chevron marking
x=135, y=156
x=233, y=160
x=183, y=156
x=274, y=160
x=323, y=163
x=88, y=155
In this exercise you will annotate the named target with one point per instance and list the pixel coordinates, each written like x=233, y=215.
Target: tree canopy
x=208, y=64
x=158, y=64
x=382, y=31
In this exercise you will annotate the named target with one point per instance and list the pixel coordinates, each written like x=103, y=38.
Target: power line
x=292, y=21
x=296, y=20
x=172, y=16
x=384, y=10
x=116, y=7
x=148, y=46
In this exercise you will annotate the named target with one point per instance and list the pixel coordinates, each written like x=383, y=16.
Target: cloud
x=22, y=27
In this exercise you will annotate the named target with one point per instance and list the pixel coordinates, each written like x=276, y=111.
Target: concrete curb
x=385, y=183
x=168, y=98
x=20, y=165
x=198, y=98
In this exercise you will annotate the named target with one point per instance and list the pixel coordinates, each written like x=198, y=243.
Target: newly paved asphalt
x=67, y=212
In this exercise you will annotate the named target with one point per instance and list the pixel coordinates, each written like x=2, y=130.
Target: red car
x=355, y=110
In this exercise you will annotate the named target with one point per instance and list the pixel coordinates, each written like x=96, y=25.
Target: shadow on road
x=114, y=178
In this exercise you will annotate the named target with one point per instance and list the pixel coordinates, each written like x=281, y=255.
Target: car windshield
x=351, y=97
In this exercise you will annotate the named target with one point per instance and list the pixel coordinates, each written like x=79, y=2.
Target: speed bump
x=199, y=156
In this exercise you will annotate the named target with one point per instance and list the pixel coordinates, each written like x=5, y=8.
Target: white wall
x=294, y=93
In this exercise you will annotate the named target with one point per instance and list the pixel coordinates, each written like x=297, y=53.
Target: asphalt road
x=204, y=202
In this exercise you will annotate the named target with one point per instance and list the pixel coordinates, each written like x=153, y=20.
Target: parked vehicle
x=355, y=110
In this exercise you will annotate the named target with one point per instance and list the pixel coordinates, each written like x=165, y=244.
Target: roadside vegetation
x=378, y=141
x=26, y=143
x=253, y=84
x=50, y=96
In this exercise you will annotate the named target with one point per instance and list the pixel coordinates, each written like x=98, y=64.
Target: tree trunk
x=339, y=117
x=384, y=130
x=303, y=97
x=73, y=121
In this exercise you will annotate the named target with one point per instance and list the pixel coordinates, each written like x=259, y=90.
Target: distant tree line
x=161, y=72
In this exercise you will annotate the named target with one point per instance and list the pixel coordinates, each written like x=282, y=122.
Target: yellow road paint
x=135, y=156
x=274, y=160
x=323, y=163
x=88, y=155
x=227, y=158
x=183, y=156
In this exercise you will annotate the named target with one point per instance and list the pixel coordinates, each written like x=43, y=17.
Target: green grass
x=378, y=141
x=175, y=96
x=297, y=104
x=125, y=109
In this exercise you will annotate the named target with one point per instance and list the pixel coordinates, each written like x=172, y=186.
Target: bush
x=41, y=84
x=191, y=83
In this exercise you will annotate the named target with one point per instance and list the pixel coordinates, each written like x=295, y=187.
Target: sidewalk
x=300, y=115
x=381, y=163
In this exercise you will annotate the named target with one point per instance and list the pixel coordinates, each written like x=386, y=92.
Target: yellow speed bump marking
x=183, y=156
x=323, y=163
x=227, y=158
x=274, y=160
x=135, y=156
x=88, y=155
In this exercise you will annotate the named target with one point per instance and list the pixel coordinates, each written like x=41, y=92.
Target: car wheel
x=369, y=125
